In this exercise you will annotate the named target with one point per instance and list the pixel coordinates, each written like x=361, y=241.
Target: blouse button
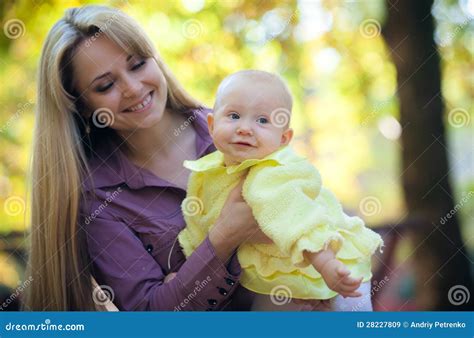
x=149, y=248
x=229, y=281
x=223, y=291
x=212, y=302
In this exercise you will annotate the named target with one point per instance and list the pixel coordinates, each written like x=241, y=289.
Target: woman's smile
x=143, y=104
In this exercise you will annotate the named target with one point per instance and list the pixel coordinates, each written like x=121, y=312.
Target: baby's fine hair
x=258, y=75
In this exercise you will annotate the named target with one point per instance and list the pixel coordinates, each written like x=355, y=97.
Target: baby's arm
x=334, y=273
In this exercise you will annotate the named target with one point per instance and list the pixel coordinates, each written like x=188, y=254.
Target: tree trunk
x=439, y=254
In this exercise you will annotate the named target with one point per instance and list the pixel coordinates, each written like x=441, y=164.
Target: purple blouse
x=132, y=219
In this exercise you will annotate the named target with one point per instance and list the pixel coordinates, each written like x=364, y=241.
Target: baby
x=318, y=252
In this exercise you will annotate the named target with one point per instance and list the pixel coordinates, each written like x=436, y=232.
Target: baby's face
x=247, y=123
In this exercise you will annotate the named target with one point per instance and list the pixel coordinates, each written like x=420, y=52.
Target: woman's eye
x=234, y=116
x=262, y=120
x=102, y=89
x=138, y=65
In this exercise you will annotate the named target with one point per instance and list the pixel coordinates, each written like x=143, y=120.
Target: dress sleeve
x=136, y=281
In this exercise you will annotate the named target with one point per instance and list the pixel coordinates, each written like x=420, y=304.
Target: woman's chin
x=149, y=122
x=146, y=120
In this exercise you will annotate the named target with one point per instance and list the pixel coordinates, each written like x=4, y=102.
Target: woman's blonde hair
x=58, y=259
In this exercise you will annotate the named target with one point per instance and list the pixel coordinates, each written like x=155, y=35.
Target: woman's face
x=121, y=91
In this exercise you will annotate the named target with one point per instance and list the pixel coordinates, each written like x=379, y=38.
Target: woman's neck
x=142, y=144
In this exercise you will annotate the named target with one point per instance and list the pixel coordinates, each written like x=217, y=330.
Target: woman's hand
x=259, y=238
x=235, y=225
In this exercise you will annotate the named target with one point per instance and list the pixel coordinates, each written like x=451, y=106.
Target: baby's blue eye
x=262, y=120
x=234, y=116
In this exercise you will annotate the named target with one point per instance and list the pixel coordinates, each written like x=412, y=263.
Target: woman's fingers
x=258, y=237
x=236, y=193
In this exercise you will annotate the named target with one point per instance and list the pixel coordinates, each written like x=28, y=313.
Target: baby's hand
x=337, y=278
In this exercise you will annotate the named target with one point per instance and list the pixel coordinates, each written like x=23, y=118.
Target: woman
x=113, y=128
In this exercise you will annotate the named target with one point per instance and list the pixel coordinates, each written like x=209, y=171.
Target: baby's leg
x=362, y=303
x=269, y=303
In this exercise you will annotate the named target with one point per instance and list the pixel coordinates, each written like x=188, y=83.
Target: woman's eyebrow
x=99, y=77
x=108, y=73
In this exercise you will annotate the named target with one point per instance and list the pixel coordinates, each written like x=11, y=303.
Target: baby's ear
x=210, y=123
x=286, y=137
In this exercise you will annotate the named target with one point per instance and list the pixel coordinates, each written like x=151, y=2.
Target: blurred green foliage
x=331, y=53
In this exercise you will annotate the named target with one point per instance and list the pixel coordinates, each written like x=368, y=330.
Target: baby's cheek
x=270, y=144
x=221, y=135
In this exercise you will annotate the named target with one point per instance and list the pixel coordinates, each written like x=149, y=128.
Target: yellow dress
x=291, y=207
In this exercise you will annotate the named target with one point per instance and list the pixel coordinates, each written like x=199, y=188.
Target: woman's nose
x=131, y=88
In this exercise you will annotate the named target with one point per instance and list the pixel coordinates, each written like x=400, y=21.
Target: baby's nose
x=244, y=130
